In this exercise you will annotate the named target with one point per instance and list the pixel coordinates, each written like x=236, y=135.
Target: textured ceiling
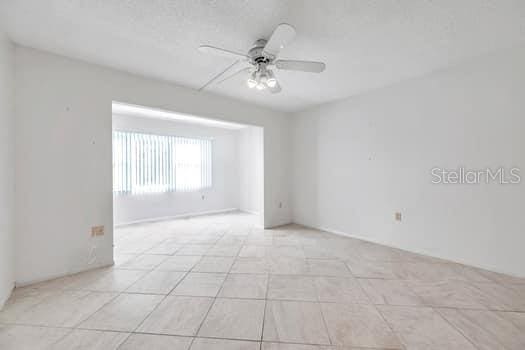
x=366, y=44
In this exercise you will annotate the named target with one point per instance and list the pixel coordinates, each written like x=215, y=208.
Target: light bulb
x=271, y=81
x=261, y=86
x=251, y=83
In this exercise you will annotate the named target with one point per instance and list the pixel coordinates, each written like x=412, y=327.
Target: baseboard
x=180, y=216
x=249, y=211
x=59, y=275
x=416, y=251
x=5, y=298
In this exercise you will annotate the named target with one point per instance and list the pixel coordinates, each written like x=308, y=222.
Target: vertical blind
x=147, y=163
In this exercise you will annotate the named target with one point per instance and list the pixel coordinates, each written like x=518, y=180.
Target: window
x=147, y=163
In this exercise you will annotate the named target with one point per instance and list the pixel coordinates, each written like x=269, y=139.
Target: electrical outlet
x=280, y=205
x=397, y=216
x=97, y=231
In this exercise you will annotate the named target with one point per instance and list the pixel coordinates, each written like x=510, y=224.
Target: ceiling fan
x=261, y=60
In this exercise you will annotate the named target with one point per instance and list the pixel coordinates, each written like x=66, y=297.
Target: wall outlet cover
x=97, y=231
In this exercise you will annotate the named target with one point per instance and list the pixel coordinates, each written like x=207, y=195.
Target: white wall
x=63, y=153
x=224, y=194
x=6, y=168
x=358, y=161
x=251, y=169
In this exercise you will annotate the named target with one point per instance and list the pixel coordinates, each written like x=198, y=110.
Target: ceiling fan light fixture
x=263, y=78
x=261, y=59
x=271, y=81
x=251, y=82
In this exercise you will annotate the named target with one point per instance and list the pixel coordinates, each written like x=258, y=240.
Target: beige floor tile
x=13, y=337
x=340, y=290
x=379, y=253
x=156, y=342
x=487, y=330
x=214, y=264
x=251, y=266
x=165, y=248
x=91, y=340
x=501, y=297
x=21, y=301
x=224, y=344
x=287, y=265
x=253, y=251
x=200, y=284
x=288, y=251
x=389, y=292
x=65, y=309
x=177, y=315
x=251, y=286
x=358, y=325
x=125, y=313
x=83, y=280
x=179, y=263
x=194, y=249
x=429, y=272
x=510, y=297
x=209, y=240
x=502, y=278
x=282, y=241
x=55, y=284
x=423, y=328
x=292, y=287
x=370, y=269
x=122, y=258
x=471, y=273
x=137, y=246
x=325, y=267
x=517, y=318
x=259, y=240
x=319, y=252
x=448, y=294
x=157, y=282
x=144, y=262
x=294, y=322
x=237, y=240
x=225, y=250
x=284, y=346
x=105, y=280
x=234, y=319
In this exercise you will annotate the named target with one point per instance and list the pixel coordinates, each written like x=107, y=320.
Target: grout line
x=457, y=329
x=398, y=336
x=213, y=303
x=265, y=307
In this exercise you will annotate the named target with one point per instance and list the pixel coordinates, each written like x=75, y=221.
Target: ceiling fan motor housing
x=257, y=55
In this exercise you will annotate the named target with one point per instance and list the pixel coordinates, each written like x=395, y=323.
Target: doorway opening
x=170, y=169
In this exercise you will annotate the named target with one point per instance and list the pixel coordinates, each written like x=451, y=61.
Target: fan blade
x=303, y=66
x=218, y=75
x=281, y=36
x=246, y=69
x=275, y=89
x=217, y=51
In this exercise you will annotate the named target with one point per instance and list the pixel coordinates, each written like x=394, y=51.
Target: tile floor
x=218, y=282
